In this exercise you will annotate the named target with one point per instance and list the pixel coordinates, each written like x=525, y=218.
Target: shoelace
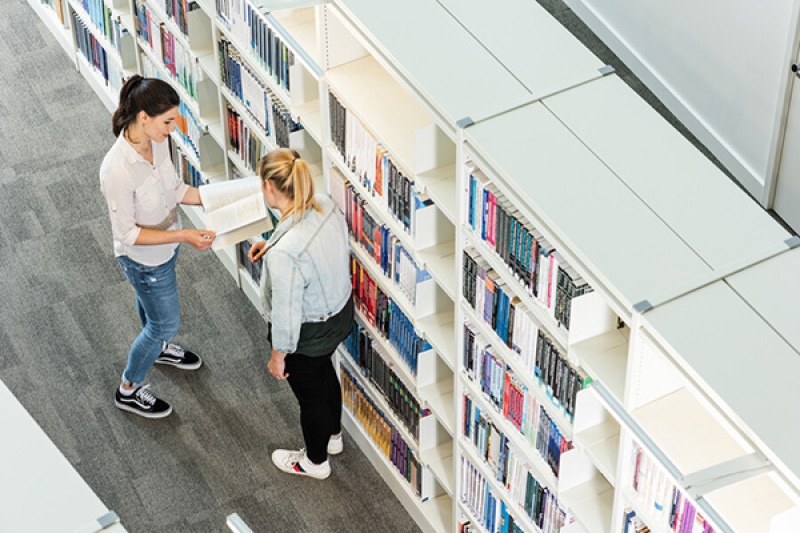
x=295, y=456
x=146, y=395
x=174, y=349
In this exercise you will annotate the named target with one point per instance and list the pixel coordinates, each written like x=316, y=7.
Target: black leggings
x=316, y=387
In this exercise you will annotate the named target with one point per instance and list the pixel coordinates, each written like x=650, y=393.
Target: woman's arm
x=287, y=289
x=192, y=197
x=200, y=239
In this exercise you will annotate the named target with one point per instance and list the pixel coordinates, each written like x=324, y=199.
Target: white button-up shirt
x=140, y=195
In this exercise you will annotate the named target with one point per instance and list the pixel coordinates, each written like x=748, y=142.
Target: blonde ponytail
x=291, y=176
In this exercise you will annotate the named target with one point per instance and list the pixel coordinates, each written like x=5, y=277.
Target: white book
x=464, y=480
x=235, y=210
x=528, y=337
x=336, y=183
x=511, y=476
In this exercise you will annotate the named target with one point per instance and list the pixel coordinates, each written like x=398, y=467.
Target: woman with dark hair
x=142, y=191
x=306, y=287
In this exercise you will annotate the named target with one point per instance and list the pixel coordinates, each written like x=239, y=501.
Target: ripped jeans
x=156, y=290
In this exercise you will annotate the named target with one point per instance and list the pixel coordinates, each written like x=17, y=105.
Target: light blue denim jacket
x=307, y=274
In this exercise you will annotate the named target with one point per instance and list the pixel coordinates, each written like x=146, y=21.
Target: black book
x=394, y=191
x=540, y=350
x=556, y=378
x=572, y=378
x=555, y=357
x=578, y=381
x=465, y=267
x=512, y=310
x=548, y=363
x=408, y=197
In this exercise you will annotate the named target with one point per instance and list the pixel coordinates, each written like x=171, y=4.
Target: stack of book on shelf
x=526, y=253
x=384, y=435
x=484, y=291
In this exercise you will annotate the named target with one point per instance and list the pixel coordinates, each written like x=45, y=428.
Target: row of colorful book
x=177, y=11
x=662, y=501
x=58, y=8
x=245, y=85
x=539, y=430
x=530, y=258
x=363, y=155
x=244, y=142
x=385, y=248
x=380, y=430
x=254, y=95
x=493, y=513
x=185, y=169
x=485, y=292
x=386, y=316
x=361, y=152
x=250, y=27
x=364, y=351
x=525, y=490
x=103, y=19
x=97, y=56
x=189, y=129
x=178, y=61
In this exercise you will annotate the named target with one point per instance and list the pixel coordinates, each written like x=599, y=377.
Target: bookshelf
x=653, y=303
x=357, y=85
x=651, y=386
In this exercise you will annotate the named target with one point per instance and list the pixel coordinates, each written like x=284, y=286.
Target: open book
x=235, y=210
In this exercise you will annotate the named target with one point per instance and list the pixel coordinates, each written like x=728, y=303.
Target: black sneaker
x=143, y=402
x=176, y=356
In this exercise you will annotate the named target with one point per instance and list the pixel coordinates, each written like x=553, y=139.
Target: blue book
x=502, y=316
x=484, y=214
x=471, y=202
x=628, y=519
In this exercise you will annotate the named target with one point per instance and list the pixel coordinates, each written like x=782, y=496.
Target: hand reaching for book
x=257, y=251
x=202, y=239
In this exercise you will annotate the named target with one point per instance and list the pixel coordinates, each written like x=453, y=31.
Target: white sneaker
x=335, y=444
x=296, y=462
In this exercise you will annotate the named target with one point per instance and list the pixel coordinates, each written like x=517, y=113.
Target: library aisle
x=66, y=320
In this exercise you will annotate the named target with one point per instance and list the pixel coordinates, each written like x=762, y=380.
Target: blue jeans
x=156, y=291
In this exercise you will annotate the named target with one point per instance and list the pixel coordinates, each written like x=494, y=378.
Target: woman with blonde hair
x=306, y=287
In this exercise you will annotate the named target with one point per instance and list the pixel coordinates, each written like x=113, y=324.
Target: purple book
x=689, y=512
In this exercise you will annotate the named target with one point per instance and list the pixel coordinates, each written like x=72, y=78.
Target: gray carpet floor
x=67, y=319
